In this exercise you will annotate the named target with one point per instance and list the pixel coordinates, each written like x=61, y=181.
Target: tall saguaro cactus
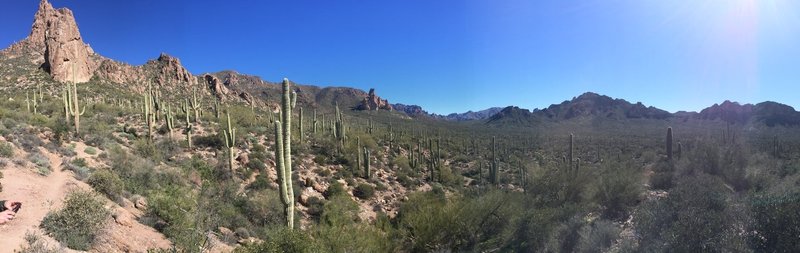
x=72, y=106
x=283, y=152
x=149, y=111
x=571, y=149
x=194, y=104
x=230, y=141
x=170, y=123
x=493, y=168
x=367, y=171
x=300, y=126
x=669, y=143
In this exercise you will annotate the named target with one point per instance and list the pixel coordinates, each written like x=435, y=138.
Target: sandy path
x=41, y=194
x=38, y=194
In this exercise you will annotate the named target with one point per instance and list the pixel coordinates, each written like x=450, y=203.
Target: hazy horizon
x=453, y=57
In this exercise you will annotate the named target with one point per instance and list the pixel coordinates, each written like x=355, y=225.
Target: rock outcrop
x=170, y=72
x=57, y=45
x=216, y=86
x=373, y=102
x=166, y=70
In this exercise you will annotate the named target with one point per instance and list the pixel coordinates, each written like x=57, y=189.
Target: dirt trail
x=41, y=194
x=38, y=194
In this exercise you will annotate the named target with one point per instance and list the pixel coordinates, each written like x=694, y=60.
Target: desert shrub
x=695, y=216
x=6, y=150
x=281, y=240
x=597, y=236
x=401, y=162
x=177, y=206
x=79, y=222
x=340, y=210
x=618, y=188
x=208, y=141
x=405, y=181
x=81, y=172
x=108, y=183
x=315, y=206
x=776, y=222
x=90, y=150
x=323, y=172
x=705, y=157
x=261, y=182
x=78, y=162
x=734, y=163
x=335, y=189
x=663, y=175
x=566, y=236
x=257, y=165
x=34, y=243
x=364, y=191
x=42, y=163
x=147, y=149
x=353, y=238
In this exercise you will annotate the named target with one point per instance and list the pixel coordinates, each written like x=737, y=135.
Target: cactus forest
x=107, y=156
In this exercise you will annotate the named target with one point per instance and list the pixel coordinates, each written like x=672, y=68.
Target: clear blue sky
x=454, y=56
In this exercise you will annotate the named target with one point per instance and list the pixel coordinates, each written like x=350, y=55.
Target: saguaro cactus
x=669, y=143
x=314, y=121
x=72, y=106
x=170, y=123
x=194, y=104
x=216, y=108
x=149, y=112
x=367, y=171
x=493, y=168
x=230, y=141
x=570, y=154
x=300, y=126
x=283, y=152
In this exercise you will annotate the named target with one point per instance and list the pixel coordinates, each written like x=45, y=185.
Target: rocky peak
x=170, y=72
x=57, y=45
x=728, y=111
x=373, y=102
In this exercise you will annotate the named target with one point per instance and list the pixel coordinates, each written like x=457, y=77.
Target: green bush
x=364, y=191
x=42, y=163
x=618, y=189
x=6, y=150
x=597, y=237
x=335, y=189
x=256, y=165
x=108, y=183
x=79, y=222
x=282, y=240
x=339, y=211
x=776, y=223
x=90, y=150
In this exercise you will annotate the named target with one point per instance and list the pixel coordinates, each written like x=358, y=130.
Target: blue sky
x=454, y=56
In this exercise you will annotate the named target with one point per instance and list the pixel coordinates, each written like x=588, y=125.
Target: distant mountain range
x=594, y=105
x=417, y=111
